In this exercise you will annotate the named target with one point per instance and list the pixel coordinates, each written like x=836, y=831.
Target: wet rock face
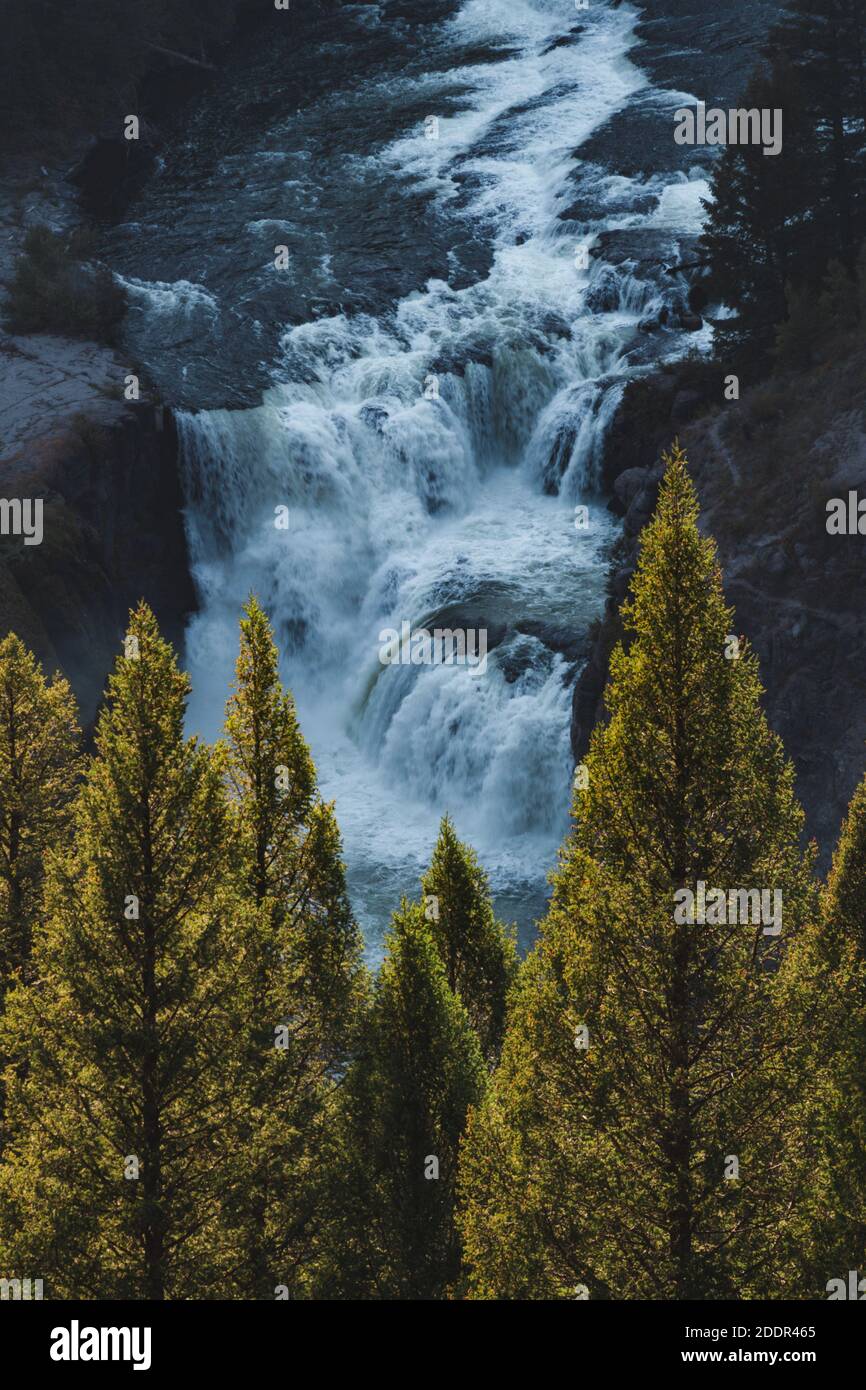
x=112, y=534
x=764, y=477
x=796, y=590
x=46, y=381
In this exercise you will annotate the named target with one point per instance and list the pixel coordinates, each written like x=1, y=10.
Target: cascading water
x=432, y=451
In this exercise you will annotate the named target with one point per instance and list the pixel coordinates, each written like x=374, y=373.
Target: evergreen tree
x=633, y=1143
x=479, y=956
x=304, y=980
x=117, y=1163
x=404, y=1107
x=797, y=336
x=38, y=767
x=816, y=317
x=826, y=991
x=838, y=306
x=777, y=220
x=757, y=236
x=825, y=40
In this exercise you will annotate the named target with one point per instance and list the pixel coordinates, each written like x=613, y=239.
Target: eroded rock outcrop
x=112, y=527
x=765, y=468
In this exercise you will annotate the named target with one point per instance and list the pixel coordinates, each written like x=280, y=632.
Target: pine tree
x=816, y=318
x=305, y=982
x=479, y=956
x=633, y=1143
x=38, y=768
x=117, y=1165
x=825, y=41
x=838, y=306
x=404, y=1107
x=796, y=342
x=757, y=236
x=826, y=991
x=778, y=220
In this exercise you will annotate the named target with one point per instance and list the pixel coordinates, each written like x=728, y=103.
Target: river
x=424, y=385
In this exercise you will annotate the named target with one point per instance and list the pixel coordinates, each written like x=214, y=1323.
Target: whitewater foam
x=431, y=457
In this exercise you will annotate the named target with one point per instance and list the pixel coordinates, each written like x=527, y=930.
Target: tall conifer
x=38, y=741
x=826, y=986
x=304, y=978
x=122, y=1070
x=775, y=221
x=38, y=767
x=479, y=956
x=634, y=1141
x=404, y=1108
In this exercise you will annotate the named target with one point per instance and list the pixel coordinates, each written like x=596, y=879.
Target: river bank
x=106, y=467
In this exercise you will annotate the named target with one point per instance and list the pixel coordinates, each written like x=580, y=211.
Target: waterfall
x=426, y=463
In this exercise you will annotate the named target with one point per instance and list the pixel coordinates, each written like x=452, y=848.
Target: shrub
x=56, y=290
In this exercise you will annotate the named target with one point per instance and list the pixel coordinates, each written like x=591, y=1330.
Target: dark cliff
x=112, y=524
x=765, y=468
